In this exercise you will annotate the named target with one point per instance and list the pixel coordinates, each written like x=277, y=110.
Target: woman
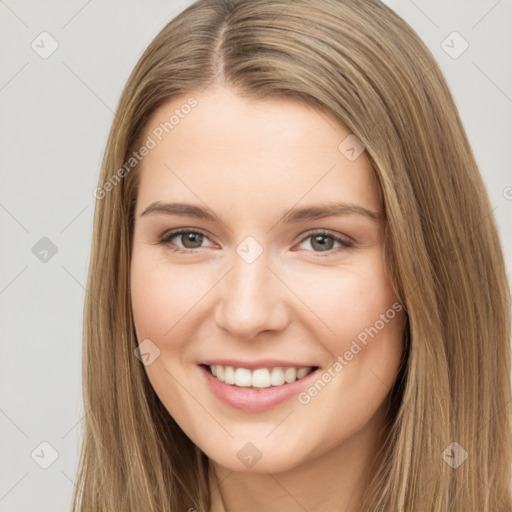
x=297, y=296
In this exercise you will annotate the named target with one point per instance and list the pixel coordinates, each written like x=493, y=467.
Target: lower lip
x=251, y=399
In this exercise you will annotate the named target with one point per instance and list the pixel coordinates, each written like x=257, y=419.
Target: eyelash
x=346, y=243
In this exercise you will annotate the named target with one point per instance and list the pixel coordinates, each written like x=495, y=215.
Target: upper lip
x=254, y=365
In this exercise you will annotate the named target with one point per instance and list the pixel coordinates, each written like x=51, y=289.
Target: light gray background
x=56, y=114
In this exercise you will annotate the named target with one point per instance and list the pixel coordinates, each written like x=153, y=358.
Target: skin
x=250, y=161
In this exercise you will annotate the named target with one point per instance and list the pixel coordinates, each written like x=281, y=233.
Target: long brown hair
x=360, y=62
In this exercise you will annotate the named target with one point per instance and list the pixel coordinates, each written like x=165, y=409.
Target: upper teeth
x=260, y=378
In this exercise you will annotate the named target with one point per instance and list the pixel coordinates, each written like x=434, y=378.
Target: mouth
x=259, y=378
x=256, y=389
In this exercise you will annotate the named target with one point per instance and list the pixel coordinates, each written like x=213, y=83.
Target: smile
x=262, y=387
x=260, y=377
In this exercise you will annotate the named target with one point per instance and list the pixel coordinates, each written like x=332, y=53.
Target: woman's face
x=288, y=304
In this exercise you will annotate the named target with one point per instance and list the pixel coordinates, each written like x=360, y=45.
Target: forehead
x=230, y=151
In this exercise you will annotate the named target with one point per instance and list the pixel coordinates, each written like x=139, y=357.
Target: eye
x=323, y=241
x=192, y=240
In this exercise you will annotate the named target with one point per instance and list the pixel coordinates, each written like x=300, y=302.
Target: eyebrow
x=291, y=216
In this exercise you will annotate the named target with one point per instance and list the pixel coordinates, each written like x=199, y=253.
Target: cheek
x=366, y=350
x=364, y=339
x=349, y=302
x=365, y=353
x=150, y=302
x=162, y=295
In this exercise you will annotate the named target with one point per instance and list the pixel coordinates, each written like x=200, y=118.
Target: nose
x=251, y=299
